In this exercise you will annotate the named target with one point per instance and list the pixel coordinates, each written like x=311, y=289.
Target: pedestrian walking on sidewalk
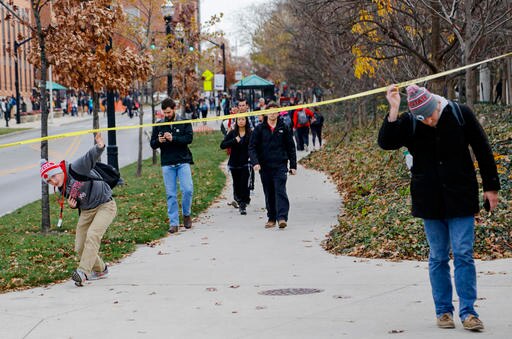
x=7, y=113
x=94, y=200
x=238, y=141
x=444, y=189
x=317, y=124
x=301, y=122
x=271, y=149
x=3, y=107
x=175, y=159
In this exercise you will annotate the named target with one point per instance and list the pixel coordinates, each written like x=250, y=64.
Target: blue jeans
x=457, y=233
x=171, y=173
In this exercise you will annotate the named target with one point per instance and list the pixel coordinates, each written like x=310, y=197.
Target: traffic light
x=191, y=48
x=152, y=46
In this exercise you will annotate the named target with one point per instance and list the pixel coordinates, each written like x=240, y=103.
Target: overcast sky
x=231, y=10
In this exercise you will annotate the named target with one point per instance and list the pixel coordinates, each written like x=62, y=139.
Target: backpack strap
x=81, y=177
x=457, y=112
x=414, y=122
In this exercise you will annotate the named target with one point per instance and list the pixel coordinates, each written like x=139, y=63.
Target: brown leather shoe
x=270, y=224
x=445, y=321
x=173, y=229
x=282, y=224
x=472, y=323
x=187, y=221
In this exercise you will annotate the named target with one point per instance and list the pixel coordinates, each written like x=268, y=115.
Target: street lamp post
x=16, y=78
x=168, y=12
x=112, y=151
x=223, y=48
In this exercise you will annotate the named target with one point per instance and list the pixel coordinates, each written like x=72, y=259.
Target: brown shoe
x=187, y=221
x=282, y=223
x=270, y=224
x=173, y=229
x=445, y=321
x=472, y=323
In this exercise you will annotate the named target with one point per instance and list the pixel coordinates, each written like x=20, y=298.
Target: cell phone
x=487, y=205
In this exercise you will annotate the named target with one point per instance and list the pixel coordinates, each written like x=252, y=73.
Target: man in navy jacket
x=270, y=149
x=444, y=189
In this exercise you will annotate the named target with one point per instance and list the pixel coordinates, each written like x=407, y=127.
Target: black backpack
x=108, y=173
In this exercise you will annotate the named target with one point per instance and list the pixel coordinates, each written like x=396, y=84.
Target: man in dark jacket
x=175, y=158
x=444, y=189
x=270, y=149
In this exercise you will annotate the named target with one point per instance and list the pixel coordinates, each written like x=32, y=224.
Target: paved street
x=20, y=170
x=208, y=282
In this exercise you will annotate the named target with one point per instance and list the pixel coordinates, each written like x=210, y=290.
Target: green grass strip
x=28, y=258
x=4, y=130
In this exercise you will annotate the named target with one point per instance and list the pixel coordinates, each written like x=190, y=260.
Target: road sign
x=219, y=82
x=207, y=86
x=238, y=75
x=207, y=75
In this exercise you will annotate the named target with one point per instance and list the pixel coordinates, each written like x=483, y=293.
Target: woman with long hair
x=238, y=141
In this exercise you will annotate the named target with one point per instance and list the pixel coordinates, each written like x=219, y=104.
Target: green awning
x=50, y=85
x=253, y=81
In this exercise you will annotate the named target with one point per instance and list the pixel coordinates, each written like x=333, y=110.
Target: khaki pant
x=92, y=224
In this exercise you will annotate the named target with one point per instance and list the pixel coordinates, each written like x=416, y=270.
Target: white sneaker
x=99, y=275
x=79, y=277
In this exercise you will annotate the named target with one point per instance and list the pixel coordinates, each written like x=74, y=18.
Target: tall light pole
x=16, y=78
x=168, y=12
x=223, y=48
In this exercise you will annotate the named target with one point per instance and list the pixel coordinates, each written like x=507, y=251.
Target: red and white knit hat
x=49, y=169
x=421, y=102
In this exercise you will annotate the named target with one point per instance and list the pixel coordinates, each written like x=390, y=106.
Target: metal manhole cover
x=291, y=291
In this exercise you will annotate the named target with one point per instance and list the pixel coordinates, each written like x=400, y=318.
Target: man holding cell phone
x=175, y=158
x=444, y=189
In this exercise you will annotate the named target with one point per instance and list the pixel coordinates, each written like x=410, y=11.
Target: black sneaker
x=242, y=210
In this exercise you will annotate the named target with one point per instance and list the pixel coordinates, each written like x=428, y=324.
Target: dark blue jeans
x=457, y=233
x=274, y=187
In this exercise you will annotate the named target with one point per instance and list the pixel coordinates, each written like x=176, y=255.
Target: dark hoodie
x=272, y=149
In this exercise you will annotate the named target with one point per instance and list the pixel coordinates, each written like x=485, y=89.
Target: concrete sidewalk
x=207, y=282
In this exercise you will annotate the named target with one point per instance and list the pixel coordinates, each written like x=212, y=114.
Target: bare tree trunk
x=45, y=197
x=507, y=84
x=437, y=84
x=153, y=117
x=470, y=74
x=95, y=116
x=139, y=157
x=450, y=84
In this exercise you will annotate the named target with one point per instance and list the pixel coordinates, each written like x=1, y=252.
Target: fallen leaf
x=396, y=331
x=211, y=289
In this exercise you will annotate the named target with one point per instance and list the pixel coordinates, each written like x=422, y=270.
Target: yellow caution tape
x=268, y=111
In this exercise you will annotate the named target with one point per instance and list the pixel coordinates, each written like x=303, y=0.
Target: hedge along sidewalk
x=28, y=258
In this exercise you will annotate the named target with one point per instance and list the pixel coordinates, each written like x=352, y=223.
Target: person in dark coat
x=238, y=141
x=271, y=149
x=444, y=189
x=176, y=159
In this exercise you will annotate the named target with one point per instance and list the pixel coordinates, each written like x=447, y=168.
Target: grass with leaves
x=5, y=130
x=29, y=258
x=376, y=221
